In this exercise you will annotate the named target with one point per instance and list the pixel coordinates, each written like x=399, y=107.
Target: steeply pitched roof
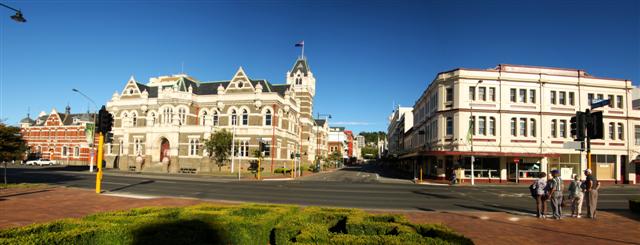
x=300, y=65
x=153, y=91
x=320, y=122
x=280, y=88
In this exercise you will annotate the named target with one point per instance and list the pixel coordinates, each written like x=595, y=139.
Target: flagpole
x=303, y=50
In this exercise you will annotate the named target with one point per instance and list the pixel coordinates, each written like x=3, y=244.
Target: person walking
x=454, y=178
x=576, y=194
x=541, y=196
x=591, y=186
x=554, y=189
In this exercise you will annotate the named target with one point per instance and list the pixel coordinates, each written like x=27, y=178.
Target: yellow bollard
x=99, y=162
x=259, y=169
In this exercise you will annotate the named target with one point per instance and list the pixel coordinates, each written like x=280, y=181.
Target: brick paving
x=24, y=206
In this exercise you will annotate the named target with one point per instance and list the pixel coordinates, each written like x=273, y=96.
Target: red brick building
x=59, y=137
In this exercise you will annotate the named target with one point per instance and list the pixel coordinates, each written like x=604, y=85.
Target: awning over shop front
x=477, y=153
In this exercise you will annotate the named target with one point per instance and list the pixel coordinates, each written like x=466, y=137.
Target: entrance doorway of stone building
x=164, y=148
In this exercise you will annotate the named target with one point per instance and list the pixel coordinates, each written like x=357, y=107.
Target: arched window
x=193, y=147
x=134, y=119
x=76, y=151
x=234, y=117
x=125, y=120
x=215, y=118
x=153, y=118
x=245, y=117
x=203, y=119
x=166, y=115
x=267, y=118
x=182, y=114
x=620, y=131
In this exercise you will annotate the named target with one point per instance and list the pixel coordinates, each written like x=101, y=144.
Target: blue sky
x=366, y=55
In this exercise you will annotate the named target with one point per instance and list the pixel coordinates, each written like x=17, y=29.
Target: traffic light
x=105, y=121
x=595, y=126
x=261, y=147
x=578, y=126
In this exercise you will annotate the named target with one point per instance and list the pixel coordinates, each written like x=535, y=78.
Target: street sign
x=576, y=145
x=516, y=161
x=599, y=103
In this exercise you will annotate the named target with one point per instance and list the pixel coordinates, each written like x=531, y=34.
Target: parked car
x=42, y=161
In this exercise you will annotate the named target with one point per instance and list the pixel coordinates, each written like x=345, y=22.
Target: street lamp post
x=473, y=121
x=18, y=17
x=92, y=145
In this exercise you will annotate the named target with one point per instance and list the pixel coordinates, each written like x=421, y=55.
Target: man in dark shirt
x=591, y=193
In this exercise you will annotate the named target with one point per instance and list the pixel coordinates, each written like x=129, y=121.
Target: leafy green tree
x=219, y=147
x=369, y=152
x=335, y=157
x=12, y=146
x=373, y=137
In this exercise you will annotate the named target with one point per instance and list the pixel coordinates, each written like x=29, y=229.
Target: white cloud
x=351, y=123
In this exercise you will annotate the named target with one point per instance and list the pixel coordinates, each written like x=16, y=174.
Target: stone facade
x=171, y=116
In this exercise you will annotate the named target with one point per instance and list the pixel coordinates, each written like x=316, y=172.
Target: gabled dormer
x=53, y=119
x=131, y=89
x=240, y=83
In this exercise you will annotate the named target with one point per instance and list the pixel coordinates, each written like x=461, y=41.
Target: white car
x=41, y=161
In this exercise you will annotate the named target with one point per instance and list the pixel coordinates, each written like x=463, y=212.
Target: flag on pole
x=470, y=132
x=300, y=44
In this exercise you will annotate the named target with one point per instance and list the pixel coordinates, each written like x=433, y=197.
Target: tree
x=373, y=137
x=219, y=147
x=369, y=152
x=335, y=157
x=12, y=146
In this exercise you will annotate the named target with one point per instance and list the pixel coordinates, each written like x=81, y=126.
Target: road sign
x=599, y=103
x=576, y=145
x=516, y=161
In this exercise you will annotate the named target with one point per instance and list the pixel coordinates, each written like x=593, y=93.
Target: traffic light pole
x=588, y=138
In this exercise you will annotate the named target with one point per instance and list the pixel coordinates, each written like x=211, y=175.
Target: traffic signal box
x=586, y=126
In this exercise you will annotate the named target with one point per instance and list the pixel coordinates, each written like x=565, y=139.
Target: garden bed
x=242, y=224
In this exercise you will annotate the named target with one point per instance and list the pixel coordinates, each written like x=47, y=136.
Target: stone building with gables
x=171, y=116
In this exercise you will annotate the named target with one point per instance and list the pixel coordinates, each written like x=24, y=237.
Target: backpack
x=533, y=190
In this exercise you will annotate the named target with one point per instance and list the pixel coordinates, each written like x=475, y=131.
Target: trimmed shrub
x=241, y=224
x=634, y=205
x=282, y=171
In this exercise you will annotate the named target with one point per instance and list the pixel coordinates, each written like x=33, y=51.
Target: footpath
x=24, y=206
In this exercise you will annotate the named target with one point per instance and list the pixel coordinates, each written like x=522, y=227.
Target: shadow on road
x=38, y=176
x=379, y=169
x=132, y=185
x=439, y=196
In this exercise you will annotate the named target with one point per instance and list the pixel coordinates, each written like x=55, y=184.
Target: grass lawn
x=240, y=224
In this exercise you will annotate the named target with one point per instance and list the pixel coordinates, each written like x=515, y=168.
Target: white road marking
x=484, y=217
x=514, y=219
x=128, y=195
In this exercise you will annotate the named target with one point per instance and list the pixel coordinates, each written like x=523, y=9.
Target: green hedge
x=243, y=224
x=282, y=171
x=634, y=205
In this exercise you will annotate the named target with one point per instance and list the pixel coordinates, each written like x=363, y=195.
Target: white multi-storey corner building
x=515, y=113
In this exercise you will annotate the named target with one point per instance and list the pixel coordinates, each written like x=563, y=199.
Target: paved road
x=350, y=187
